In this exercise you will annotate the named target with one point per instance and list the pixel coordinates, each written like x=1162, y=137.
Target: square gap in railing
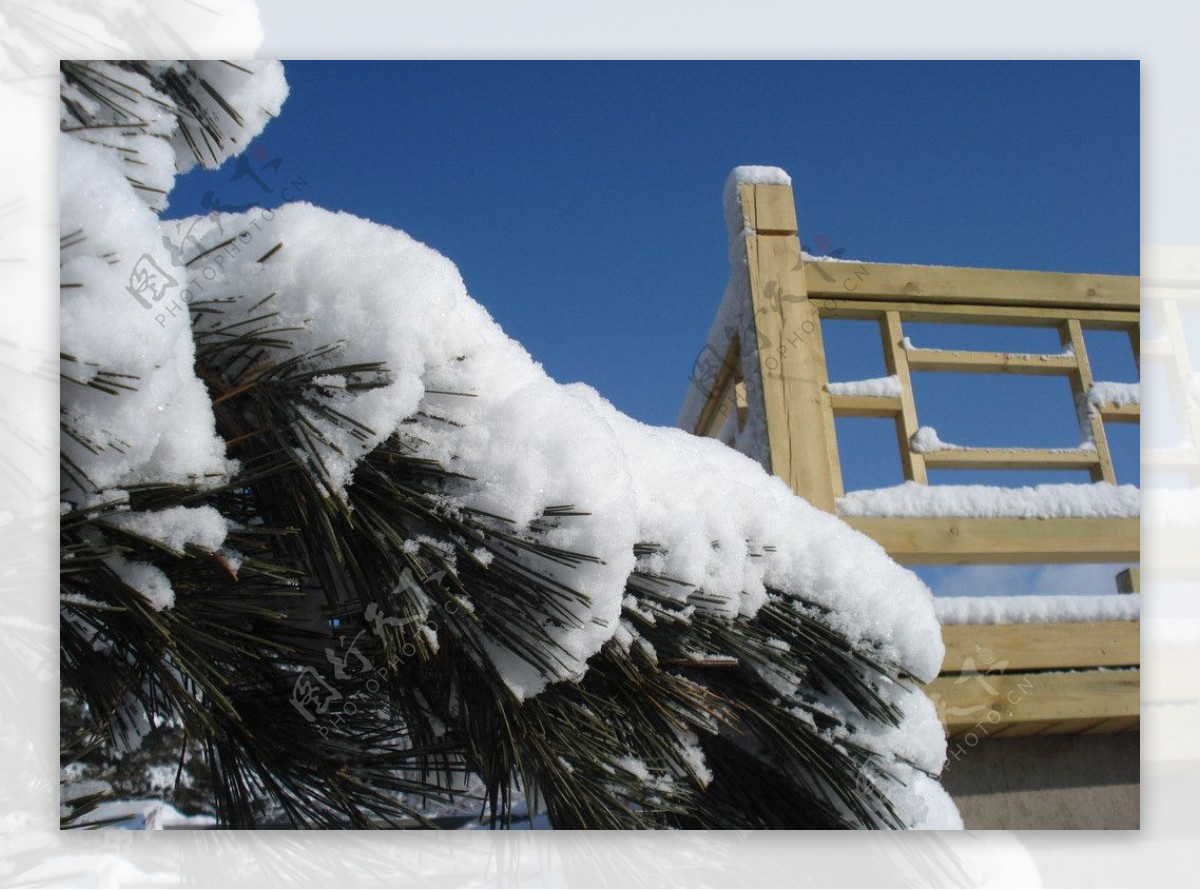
x=1110, y=353
x=868, y=452
x=853, y=349
x=983, y=337
x=998, y=410
x=1050, y=579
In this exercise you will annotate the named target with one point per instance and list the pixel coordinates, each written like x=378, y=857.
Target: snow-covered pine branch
x=303, y=469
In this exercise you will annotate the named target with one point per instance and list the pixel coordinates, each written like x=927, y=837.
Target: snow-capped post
x=763, y=232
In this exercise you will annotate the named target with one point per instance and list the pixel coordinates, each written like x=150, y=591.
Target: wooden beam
x=967, y=313
x=1011, y=459
x=1120, y=413
x=1082, y=381
x=999, y=287
x=895, y=360
x=799, y=414
x=1070, y=702
x=865, y=406
x=959, y=540
x=965, y=361
x=721, y=399
x=1026, y=647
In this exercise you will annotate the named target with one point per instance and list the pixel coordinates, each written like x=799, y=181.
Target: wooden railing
x=1083, y=688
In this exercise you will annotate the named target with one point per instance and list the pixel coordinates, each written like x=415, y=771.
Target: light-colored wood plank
x=1091, y=423
x=1069, y=726
x=1075, y=700
x=1121, y=413
x=965, y=313
x=895, y=360
x=721, y=398
x=1117, y=724
x=964, y=361
x=1011, y=459
x=958, y=541
x=1029, y=647
x=865, y=406
x=799, y=414
x=944, y=284
x=768, y=209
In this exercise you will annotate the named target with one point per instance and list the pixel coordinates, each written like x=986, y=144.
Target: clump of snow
x=1037, y=609
x=157, y=426
x=735, y=221
x=929, y=806
x=1098, y=500
x=144, y=578
x=254, y=89
x=142, y=130
x=176, y=527
x=925, y=441
x=1115, y=394
x=887, y=387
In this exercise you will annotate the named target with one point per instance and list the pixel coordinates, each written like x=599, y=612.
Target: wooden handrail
x=985, y=287
x=1035, y=678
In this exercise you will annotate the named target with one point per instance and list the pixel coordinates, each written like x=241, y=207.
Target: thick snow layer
x=931, y=807
x=1037, y=609
x=1098, y=500
x=255, y=90
x=157, y=426
x=146, y=579
x=176, y=527
x=1116, y=394
x=152, y=147
x=876, y=386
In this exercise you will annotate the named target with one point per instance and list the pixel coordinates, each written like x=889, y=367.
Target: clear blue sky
x=582, y=201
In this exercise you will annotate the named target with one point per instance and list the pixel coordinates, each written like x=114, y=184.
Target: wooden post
x=791, y=354
x=895, y=358
x=1071, y=334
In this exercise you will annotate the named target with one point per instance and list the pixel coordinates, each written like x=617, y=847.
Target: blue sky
x=582, y=201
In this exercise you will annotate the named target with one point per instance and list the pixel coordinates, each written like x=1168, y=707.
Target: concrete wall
x=1064, y=781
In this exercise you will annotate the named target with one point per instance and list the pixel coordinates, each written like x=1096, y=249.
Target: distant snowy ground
x=138, y=815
